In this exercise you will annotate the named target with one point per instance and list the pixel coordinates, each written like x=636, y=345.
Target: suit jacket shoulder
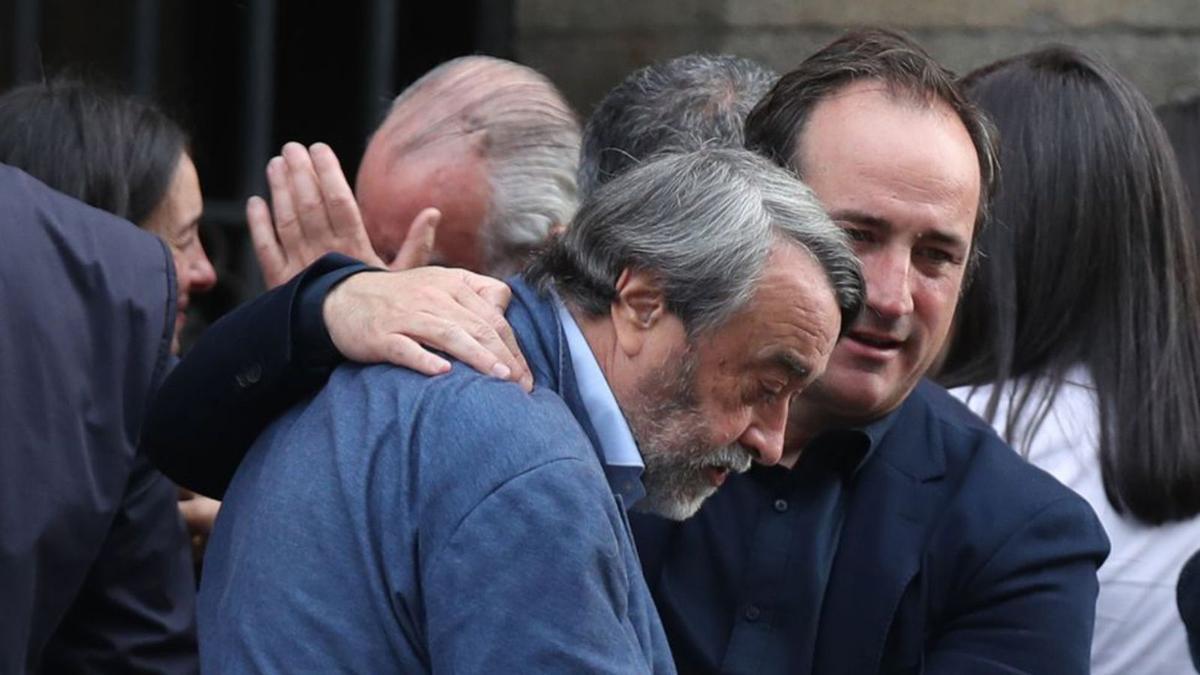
x=992, y=562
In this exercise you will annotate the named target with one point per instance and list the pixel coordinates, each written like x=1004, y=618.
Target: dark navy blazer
x=95, y=570
x=955, y=556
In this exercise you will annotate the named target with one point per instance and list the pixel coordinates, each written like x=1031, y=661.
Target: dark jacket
x=95, y=570
x=1188, y=599
x=956, y=556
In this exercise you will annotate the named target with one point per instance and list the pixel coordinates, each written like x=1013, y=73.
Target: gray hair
x=532, y=146
x=704, y=222
x=693, y=101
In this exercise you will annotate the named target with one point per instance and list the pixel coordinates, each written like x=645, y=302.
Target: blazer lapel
x=891, y=502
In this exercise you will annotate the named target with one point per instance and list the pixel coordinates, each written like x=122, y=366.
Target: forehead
x=905, y=161
x=793, y=314
x=452, y=177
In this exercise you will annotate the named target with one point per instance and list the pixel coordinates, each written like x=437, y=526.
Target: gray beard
x=672, y=436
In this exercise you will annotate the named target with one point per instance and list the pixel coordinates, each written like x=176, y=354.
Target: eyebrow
x=789, y=362
x=872, y=220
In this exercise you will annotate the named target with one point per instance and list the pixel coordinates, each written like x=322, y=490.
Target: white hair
x=531, y=147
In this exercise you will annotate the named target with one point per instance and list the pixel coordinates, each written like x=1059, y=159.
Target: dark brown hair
x=774, y=126
x=115, y=152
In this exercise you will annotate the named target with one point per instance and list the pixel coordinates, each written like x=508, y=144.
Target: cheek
x=725, y=415
x=934, y=302
x=181, y=266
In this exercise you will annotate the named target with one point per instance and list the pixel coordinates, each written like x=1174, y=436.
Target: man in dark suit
x=903, y=535
x=95, y=571
x=899, y=533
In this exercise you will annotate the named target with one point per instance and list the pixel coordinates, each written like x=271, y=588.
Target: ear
x=639, y=308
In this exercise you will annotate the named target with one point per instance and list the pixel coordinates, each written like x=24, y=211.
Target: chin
x=856, y=394
x=673, y=507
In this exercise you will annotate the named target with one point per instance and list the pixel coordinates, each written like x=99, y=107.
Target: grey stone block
x=1169, y=14
x=599, y=16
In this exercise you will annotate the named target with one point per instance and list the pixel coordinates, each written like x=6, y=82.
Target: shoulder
x=992, y=495
x=464, y=406
x=972, y=449
x=36, y=212
x=96, y=268
x=457, y=436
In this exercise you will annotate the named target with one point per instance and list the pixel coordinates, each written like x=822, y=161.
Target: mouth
x=874, y=344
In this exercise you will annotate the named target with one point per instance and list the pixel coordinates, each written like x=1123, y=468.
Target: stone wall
x=586, y=46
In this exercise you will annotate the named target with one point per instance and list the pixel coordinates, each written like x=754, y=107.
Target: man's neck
x=807, y=419
x=600, y=337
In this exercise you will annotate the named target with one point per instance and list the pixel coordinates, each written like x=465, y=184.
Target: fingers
x=432, y=309
x=498, y=337
x=418, y=243
x=287, y=223
x=464, y=336
x=271, y=258
x=306, y=193
x=402, y=350
x=495, y=292
x=344, y=216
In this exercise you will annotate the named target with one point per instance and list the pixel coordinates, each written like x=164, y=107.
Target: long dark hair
x=1091, y=260
x=115, y=152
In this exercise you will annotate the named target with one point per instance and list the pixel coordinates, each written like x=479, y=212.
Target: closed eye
x=938, y=256
x=859, y=234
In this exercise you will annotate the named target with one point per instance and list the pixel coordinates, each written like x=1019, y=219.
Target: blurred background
x=244, y=76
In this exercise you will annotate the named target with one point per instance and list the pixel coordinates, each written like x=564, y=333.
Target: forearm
x=246, y=369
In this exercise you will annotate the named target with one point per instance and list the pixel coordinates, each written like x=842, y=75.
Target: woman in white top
x=1080, y=336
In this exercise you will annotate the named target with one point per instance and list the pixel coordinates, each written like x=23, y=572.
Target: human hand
x=397, y=317
x=315, y=213
x=199, y=512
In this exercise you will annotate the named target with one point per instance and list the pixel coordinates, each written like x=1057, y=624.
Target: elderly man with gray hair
x=473, y=167
x=399, y=523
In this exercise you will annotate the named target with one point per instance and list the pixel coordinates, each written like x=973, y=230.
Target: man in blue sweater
x=398, y=523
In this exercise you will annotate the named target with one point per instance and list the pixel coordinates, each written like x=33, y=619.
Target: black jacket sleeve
x=1188, y=599
x=246, y=369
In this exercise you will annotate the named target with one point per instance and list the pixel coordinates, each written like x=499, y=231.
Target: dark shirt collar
x=847, y=448
x=875, y=433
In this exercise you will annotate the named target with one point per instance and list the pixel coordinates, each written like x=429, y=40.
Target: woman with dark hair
x=125, y=156
x=1080, y=337
x=119, y=154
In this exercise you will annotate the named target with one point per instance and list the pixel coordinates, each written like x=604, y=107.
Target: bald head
x=490, y=143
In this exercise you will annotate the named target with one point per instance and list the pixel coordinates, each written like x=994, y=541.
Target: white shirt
x=622, y=460
x=1138, y=629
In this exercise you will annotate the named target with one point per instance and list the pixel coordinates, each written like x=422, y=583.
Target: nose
x=888, y=293
x=765, y=434
x=201, y=276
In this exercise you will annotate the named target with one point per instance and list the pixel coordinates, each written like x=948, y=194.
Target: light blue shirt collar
x=622, y=461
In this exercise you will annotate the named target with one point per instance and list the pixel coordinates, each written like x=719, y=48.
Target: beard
x=674, y=439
